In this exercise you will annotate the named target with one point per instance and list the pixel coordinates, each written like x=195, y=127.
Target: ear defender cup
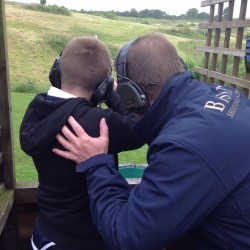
x=55, y=73
x=133, y=98
x=102, y=91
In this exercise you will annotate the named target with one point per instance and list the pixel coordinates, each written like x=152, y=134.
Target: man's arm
x=178, y=190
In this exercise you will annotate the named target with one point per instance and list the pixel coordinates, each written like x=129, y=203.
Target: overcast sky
x=175, y=7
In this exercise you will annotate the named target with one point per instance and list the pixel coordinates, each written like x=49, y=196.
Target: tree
x=42, y=2
x=133, y=12
x=203, y=15
x=158, y=14
x=192, y=13
x=144, y=13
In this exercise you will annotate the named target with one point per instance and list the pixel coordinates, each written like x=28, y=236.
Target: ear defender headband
x=132, y=96
x=55, y=73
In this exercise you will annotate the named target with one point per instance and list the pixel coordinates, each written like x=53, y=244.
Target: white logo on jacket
x=224, y=97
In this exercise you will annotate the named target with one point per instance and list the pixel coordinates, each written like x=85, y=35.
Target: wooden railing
x=218, y=43
x=7, y=176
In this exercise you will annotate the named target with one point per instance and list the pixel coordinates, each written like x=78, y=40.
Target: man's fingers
x=76, y=126
x=65, y=154
x=68, y=134
x=104, y=131
x=65, y=143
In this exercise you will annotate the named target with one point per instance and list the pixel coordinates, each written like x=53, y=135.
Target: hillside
x=36, y=38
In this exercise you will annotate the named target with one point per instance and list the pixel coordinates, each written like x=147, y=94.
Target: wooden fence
x=220, y=41
x=7, y=176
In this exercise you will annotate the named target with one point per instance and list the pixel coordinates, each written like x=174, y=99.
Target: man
x=197, y=182
x=81, y=79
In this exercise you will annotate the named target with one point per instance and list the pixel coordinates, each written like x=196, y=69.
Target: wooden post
x=6, y=144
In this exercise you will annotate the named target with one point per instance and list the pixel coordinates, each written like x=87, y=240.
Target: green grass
x=36, y=38
x=25, y=170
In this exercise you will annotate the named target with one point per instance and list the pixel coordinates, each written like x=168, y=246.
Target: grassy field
x=36, y=38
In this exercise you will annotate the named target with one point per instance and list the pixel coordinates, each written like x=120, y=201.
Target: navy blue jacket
x=62, y=196
x=197, y=182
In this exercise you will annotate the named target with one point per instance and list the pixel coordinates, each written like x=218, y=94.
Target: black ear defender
x=102, y=91
x=132, y=96
x=55, y=73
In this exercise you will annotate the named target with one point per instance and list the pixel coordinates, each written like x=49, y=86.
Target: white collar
x=59, y=93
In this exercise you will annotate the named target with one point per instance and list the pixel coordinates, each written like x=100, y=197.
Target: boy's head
x=84, y=64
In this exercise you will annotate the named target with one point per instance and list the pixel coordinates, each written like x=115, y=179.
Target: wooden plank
x=6, y=202
x=226, y=24
x=6, y=144
x=224, y=51
x=211, y=2
x=27, y=215
x=26, y=224
x=225, y=78
x=239, y=37
x=25, y=192
x=208, y=41
x=217, y=39
x=10, y=233
x=227, y=40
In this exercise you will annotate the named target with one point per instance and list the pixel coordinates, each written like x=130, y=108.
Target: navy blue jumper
x=197, y=182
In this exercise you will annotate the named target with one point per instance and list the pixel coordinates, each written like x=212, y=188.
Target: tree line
x=191, y=14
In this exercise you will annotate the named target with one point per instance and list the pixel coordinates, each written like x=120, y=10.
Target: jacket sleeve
x=114, y=102
x=122, y=136
x=178, y=190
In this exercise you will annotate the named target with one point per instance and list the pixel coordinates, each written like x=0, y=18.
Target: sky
x=175, y=7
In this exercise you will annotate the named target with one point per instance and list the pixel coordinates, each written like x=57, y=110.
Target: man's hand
x=80, y=146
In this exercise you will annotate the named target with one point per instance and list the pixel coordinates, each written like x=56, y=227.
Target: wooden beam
x=10, y=233
x=6, y=143
x=212, y=2
x=25, y=192
x=226, y=24
x=6, y=202
x=217, y=39
x=227, y=38
x=225, y=78
x=224, y=51
x=239, y=37
x=209, y=40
